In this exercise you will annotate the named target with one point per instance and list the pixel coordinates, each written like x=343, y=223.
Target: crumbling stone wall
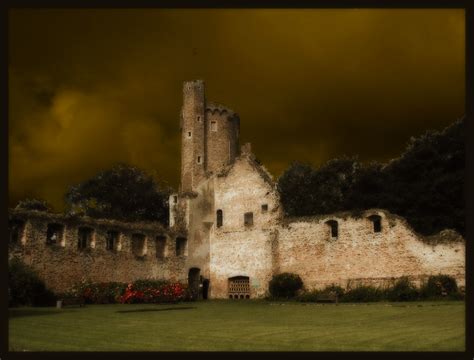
x=63, y=264
x=361, y=256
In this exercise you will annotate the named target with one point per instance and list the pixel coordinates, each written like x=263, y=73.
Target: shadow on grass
x=14, y=313
x=165, y=309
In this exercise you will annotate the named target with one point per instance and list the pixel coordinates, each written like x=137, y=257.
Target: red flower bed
x=140, y=291
x=153, y=292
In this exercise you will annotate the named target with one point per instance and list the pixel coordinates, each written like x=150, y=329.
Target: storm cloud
x=89, y=88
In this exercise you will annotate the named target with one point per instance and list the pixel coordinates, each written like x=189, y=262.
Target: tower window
x=199, y=119
x=198, y=159
x=333, y=225
x=17, y=229
x=264, y=208
x=248, y=219
x=219, y=218
x=175, y=199
x=189, y=134
x=213, y=125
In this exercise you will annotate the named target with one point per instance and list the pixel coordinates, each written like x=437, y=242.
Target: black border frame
x=467, y=5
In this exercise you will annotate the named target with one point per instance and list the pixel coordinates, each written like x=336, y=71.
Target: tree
x=123, y=192
x=425, y=184
x=33, y=204
x=308, y=191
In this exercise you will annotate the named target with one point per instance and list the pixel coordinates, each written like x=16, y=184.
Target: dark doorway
x=194, y=282
x=205, y=289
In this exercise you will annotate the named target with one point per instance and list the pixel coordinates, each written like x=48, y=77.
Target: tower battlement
x=209, y=136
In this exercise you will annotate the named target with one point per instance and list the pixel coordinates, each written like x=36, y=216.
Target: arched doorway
x=193, y=283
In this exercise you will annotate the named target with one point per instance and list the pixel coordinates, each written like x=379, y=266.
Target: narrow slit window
x=219, y=218
x=334, y=228
x=199, y=159
x=189, y=134
x=180, y=246
x=213, y=125
x=248, y=219
x=199, y=119
x=175, y=199
x=377, y=222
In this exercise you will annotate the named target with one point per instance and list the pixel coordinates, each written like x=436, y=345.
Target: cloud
x=91, y=87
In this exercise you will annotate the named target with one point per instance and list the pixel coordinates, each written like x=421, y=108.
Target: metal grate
x=239, y=288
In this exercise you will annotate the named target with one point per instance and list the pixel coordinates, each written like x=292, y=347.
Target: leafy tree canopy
x=123, y=192
x=425, y=184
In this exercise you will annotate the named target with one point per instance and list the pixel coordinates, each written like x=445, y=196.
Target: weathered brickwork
x=229, y=211
x=62, y=264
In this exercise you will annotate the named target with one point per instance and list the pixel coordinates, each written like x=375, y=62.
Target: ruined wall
x=361, y=256
x=63, y=264
x=237, y=249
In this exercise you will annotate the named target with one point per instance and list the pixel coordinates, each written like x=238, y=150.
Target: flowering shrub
x=99, y=293
x=150, y=291
x=140, y=291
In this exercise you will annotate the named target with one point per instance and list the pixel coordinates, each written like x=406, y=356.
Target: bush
x=97, y=293
x=285, y=285
x=403, y=290
x=364, y=293
x=25, y=287
x=313, y=295
x=439, y=286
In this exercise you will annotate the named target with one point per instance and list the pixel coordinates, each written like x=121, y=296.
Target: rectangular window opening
x=54, y=234
x=84, y=238
x=112, y=240
x=161, y=246
x=264, y=208
x=138, y=245
x=248, y=219
x=213, y=125
x=180, y=246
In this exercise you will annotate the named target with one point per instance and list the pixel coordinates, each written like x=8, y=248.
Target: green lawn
x=241, y=325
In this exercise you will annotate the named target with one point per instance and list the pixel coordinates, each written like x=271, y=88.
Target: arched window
x=219, y=218
x=333, y=225
x=377, y=222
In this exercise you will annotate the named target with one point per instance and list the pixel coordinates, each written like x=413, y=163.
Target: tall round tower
x=192, y=135
x=222, y=136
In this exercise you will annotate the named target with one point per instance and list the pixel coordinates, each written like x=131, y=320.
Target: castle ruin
x=227, y=234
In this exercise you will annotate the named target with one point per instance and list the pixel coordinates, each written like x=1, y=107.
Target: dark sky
x=89, y=88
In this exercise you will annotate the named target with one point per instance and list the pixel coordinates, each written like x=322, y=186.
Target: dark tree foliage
x=123, y=192
x=33, y=204
x=425, y=184
x=25, y=286
x=308, y=191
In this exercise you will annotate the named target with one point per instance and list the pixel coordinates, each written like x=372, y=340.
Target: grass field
x=241, y=325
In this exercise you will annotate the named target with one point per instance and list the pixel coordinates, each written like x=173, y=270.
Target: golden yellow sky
x=89, y=88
